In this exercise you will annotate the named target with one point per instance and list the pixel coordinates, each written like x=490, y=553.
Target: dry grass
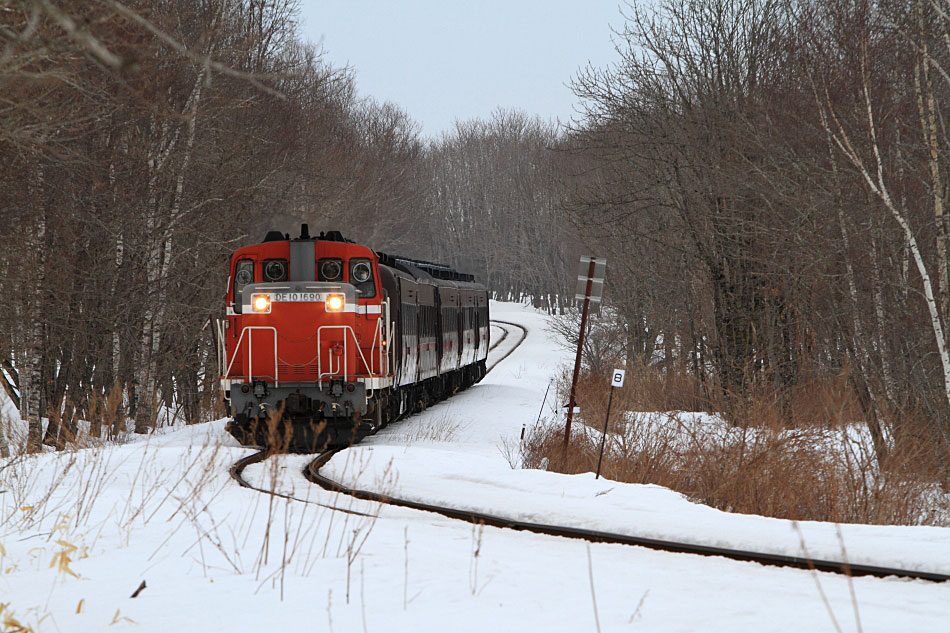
x=441, y=429
x=819, y=402
x=812, y=464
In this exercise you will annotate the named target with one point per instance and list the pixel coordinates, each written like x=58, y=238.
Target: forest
x=767, y=179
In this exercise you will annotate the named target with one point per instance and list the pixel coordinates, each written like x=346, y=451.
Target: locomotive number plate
x=297, y=296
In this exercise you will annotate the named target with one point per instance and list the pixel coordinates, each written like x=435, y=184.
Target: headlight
x=335, y=303
x=260, y=303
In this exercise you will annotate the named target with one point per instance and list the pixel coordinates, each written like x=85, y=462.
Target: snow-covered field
x=79, y=533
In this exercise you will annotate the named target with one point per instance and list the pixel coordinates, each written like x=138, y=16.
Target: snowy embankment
x=81, y=531
x=467, y=467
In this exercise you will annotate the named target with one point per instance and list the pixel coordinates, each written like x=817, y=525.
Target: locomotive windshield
x=243, y=275
x=361, y=276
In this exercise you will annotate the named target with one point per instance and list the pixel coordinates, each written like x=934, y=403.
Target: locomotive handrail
x=346, y=356
x=376, y=345
x=377, y=338
x=221, y=344
x=250, y=353
x=383, y=324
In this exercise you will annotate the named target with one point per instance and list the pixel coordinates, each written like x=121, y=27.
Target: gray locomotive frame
x=299, y=400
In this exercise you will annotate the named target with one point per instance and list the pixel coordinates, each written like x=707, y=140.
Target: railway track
x=237, y=473
x=507, y=330
x=312, y=473
x=504, y=335
x=237, y=469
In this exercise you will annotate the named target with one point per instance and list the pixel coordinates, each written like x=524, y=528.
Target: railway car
x=326, y=341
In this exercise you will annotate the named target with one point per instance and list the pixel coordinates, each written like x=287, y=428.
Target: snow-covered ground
x=79, y=533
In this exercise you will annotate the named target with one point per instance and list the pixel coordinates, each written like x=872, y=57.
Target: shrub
x=753, y=461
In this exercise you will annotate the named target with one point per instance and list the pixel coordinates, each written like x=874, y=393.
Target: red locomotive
x=326, y=341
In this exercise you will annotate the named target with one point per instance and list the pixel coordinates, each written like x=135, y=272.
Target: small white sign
x=617, y=379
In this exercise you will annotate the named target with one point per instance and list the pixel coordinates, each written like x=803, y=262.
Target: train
x=325, y=341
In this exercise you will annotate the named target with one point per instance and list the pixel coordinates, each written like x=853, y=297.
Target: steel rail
x=237, y=473
x=504, y=335
x=237, y=469
x=524, y=335
x=312, y=473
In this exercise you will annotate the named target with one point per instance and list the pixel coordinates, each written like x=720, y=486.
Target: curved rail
x=237, y=474
x=237, y=469
x=524, y=334
x=312, y=473
x=504, y=335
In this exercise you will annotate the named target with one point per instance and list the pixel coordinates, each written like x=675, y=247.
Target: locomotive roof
x=324, y=236
x=427, y=269
x=419, y=268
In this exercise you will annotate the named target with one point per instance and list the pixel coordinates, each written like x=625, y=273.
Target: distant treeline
x=141, y=143
x=769, y=181
x=766, y=177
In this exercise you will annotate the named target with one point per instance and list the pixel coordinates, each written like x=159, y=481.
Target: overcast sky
x=442, y=60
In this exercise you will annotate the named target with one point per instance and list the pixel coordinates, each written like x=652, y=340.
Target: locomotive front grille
x=295, y=372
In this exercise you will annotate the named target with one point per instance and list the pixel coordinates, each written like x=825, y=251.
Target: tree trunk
x=923, y=85
x=31, y=379
x=159, y=263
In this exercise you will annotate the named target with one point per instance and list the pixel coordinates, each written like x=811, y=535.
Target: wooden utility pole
x=590, y=287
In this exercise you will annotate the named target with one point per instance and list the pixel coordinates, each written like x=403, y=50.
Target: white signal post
x=616, y=381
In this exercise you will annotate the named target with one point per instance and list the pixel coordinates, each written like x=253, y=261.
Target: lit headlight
x=335, y=303
x=260, y=303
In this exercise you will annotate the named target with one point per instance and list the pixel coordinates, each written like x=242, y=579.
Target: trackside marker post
x=541, y=412
x=616, y=380
x=590, y=287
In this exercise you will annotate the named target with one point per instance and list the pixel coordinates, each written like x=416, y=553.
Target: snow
x=219, y=557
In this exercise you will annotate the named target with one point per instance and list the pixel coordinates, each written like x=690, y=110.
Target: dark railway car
x=326, y=341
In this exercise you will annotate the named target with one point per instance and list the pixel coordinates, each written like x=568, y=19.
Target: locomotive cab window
x=330, y=269
x=361, y=276
x=243, y=275
x=275, y=270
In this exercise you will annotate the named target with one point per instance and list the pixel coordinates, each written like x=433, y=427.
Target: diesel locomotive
x=326, y=341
